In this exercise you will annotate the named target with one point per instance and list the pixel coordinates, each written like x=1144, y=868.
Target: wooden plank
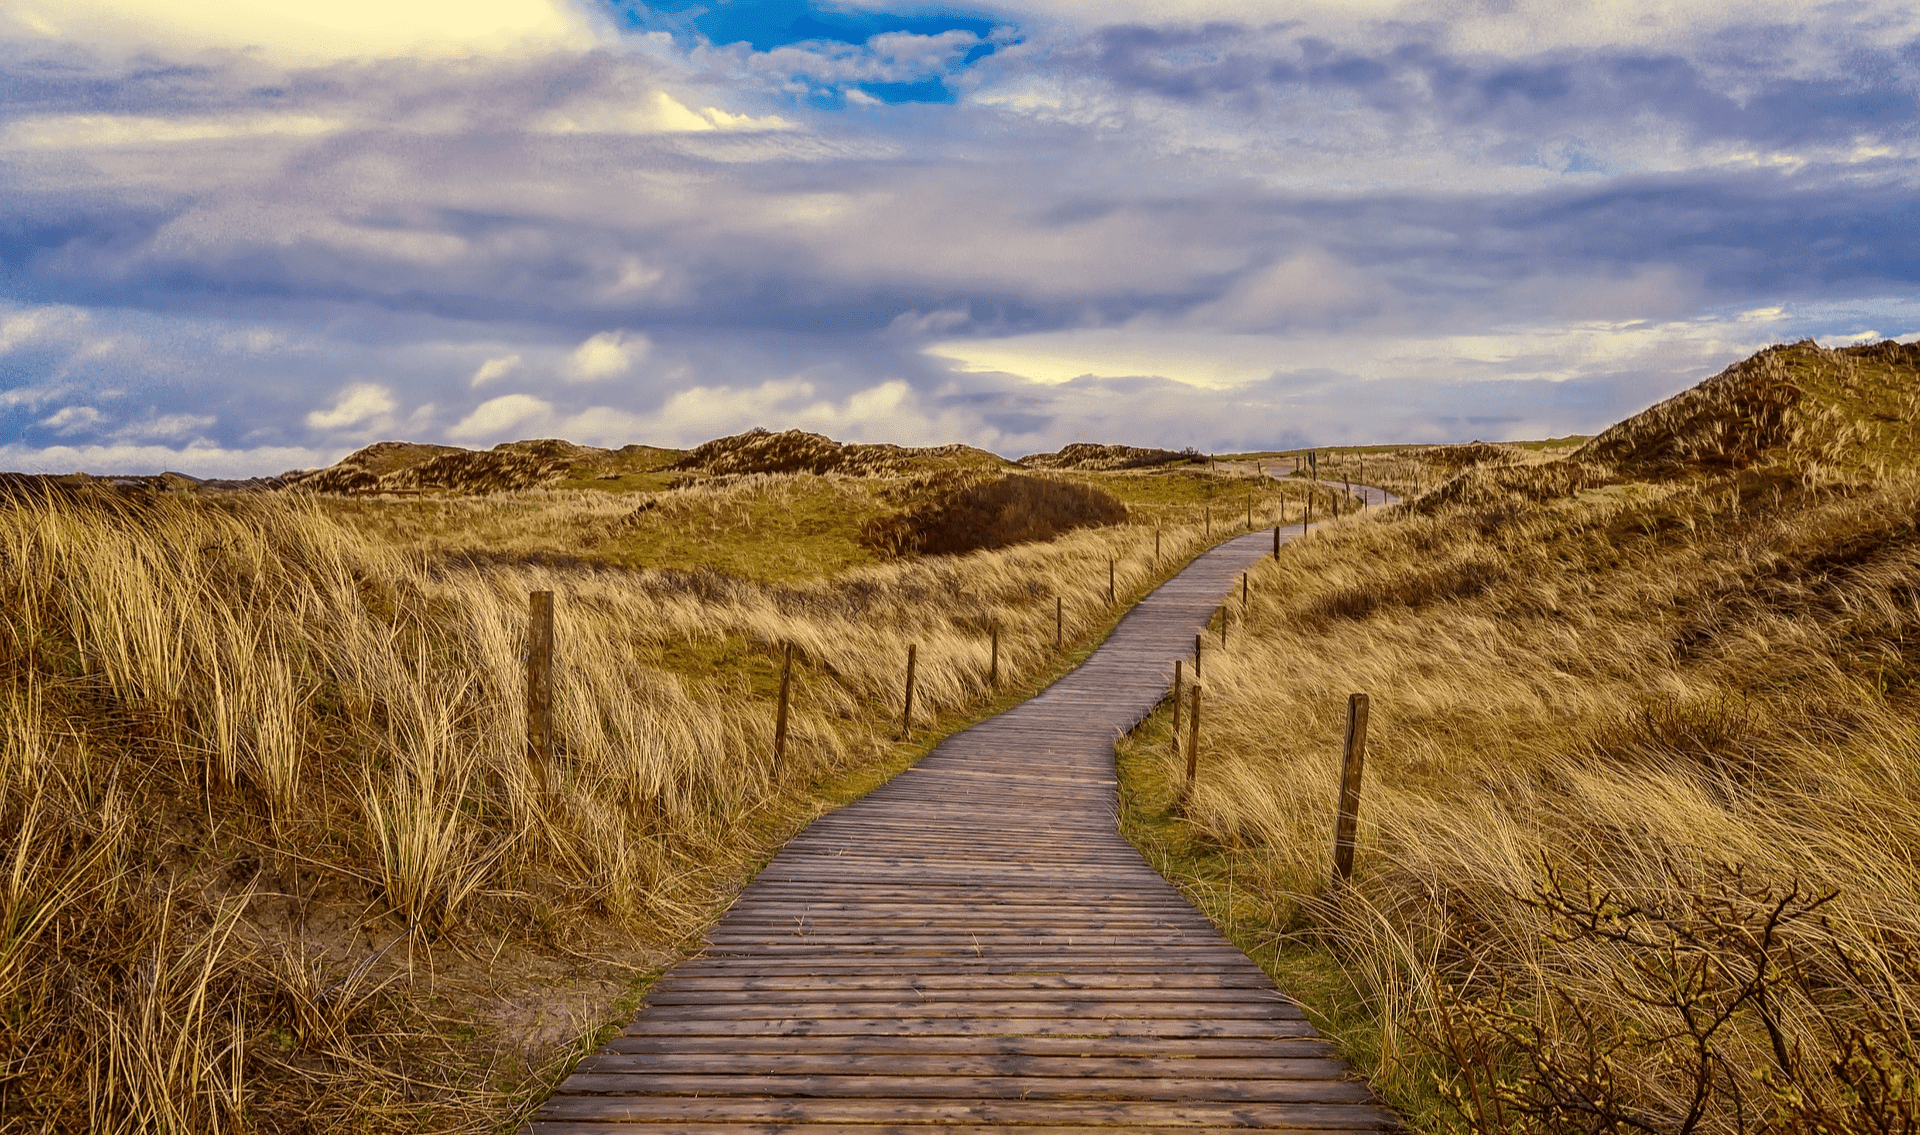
x=997, y=1112
x=1096, y=1012
x=1246, y=1047
x=1037, y=1026
x=646, y=1067
x=982, y=1087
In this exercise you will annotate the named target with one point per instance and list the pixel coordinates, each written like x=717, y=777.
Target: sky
x=244, y=236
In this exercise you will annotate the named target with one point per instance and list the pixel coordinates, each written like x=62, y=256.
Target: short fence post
x=993, y=665
x=1347, y=826
x=1109, y=581
x=780, y=715
x=1059, y=621
x=906, y=715
x=1243, y=590
x=1223, y=625
x=1306, y=518
x=1209, y=516
x=1193, y=739
x=1156, y=547
x=1175, y=735
x=1249, y=511
x=540, y=684
x=1276, y=541
x=1196, y=658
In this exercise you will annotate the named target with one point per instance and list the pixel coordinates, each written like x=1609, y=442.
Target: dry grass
x=1636, y=840
x=273, y=855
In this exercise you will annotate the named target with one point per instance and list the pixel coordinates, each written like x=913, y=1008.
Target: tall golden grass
x=1641, y=803
x=264, y=782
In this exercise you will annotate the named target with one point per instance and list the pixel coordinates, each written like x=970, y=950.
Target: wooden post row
x=780, y=714
x=1193, y=739
x=1347, y=825
x=906, y=715
x=540, y=685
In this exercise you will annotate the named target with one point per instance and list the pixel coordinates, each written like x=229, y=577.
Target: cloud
x=607, y=355
x=494, y=368
x=354, y=405
x=165, y=427
x=307, y=33
x=72, y=419
x=658, y=113
x=497, y=419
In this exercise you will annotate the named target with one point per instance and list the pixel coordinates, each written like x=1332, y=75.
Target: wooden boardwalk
x=974, y=946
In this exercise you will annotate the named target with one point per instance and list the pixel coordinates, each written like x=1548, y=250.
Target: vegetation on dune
x=1640, y=802
x=275, y=855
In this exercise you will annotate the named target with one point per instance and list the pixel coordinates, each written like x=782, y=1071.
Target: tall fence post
x=1059, y=621
x=1208, y=512
x=1193, y=739
x=1347, y=826
x=993, y=664
x=1196, y=657
x=780, y=714
x=1243, y=590
x=1156, y=547
x=540, y=684
x=1223, y=625
x=906, y=715
x=1175, y=735
x=1109, y=581
x=1276, y=541
x=1249, y=511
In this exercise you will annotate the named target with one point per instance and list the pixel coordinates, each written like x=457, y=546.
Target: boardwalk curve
x=973, y=945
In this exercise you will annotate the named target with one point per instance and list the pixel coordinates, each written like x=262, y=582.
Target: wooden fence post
x=1196, y=657
x=1347, y=826
x=1109, y=581
x=1276, y=541
x=1223, y=625
x=1249, y=512
x=780, y=715
x=993, y=666
x=540, y=685
x=1209, y=516
x=1306, y=518
x=1175, y=735
x=1193, y=739
x=1059, y=620
x=1156, y=547
x=1243, y=590
x=906, y=715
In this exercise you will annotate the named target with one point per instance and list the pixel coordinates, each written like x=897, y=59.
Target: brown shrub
x=972, y=514
x=1089, y=455
x=795, y=451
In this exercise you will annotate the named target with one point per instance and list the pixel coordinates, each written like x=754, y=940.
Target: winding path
x=974, y=945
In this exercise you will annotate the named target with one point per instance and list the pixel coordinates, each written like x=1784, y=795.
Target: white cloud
x=606, y=355
x=496, y=418
x=295, y=31
x=193, y=460
x=356, y=404
x=657, y=113
x=33, y=325
x=494, y=368
x=73, y=419
x=89, y=131
x=165, y=427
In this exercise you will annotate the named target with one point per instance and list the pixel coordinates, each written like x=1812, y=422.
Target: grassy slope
x=1695, y=694
x=300, y=736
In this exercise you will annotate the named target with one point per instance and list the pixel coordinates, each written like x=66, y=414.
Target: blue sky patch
x=767, y=24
